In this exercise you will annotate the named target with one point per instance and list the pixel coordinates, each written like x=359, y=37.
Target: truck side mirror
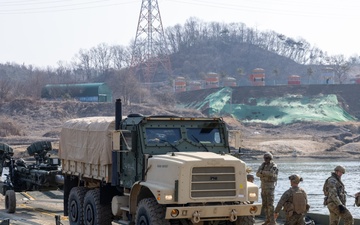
x=126, y=140
x=122, y=140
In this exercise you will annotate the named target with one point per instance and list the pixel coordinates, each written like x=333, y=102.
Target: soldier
x=268, y=173
x=335, y=198
x=294, y=201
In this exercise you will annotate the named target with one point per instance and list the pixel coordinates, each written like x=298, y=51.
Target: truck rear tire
x=10, y=201
x=76, y=205
x=94, y=212
x=149, y=212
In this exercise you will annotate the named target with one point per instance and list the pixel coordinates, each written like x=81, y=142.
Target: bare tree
x=5, y=86
x=340, y=66
x=101, y=58
x=276, y=73
x=309, y=73
x=118, y=56
x=35, y=82
x=126, y=87
x=64, y=73
x=83, y=64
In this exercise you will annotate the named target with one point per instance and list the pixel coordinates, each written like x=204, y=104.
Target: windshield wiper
x=173, y=146
x=202, y=144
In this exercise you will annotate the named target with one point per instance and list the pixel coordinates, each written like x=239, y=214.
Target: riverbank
x=304, y=140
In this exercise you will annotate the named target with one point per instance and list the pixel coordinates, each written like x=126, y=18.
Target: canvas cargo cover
x=87, y=140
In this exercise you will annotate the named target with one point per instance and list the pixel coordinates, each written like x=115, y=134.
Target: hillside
x=42, y=120
x=226, y=59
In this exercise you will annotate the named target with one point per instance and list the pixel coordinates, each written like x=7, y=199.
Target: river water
x=314, y=173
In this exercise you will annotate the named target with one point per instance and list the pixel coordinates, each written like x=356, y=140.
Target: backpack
x=299, y=201
x=326, y=188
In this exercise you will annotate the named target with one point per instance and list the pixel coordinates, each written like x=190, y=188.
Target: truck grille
x=213, y=182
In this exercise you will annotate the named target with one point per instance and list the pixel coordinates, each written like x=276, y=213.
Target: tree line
x=195, y=49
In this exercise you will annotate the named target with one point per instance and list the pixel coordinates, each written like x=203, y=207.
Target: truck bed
x=85, y=147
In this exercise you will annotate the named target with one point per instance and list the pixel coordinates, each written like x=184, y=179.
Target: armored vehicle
x=153, y=170
x=43, y=174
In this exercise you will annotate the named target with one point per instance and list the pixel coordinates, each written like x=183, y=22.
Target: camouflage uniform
x=286, y=201
x=334, y=191
x=267, y=173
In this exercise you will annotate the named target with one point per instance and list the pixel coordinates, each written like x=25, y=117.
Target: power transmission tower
x=150, y=49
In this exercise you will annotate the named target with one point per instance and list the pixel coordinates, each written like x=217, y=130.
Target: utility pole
x=150, y=49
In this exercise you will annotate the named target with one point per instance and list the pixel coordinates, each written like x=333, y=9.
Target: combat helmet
x=268, y=155
x=340, y=168
x=295, y=178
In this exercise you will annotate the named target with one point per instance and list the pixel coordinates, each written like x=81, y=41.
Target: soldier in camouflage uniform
x=294, y=202
x=268, y=173
x=335, y=198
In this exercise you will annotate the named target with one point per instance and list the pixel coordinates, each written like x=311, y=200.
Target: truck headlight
x=168, y=197
x=252, y=195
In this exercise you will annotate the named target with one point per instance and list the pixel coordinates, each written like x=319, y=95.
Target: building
x=194, y=85
x=180, y=84
x=212, y=80
x=355, y=80
x=294, y=80
x=229, y=82
x=257, y=78
x=86, y=92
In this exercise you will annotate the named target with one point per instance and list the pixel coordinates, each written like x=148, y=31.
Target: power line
x=292, y=8
x=57, y=6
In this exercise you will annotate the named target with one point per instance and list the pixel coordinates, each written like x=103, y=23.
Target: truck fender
x=134, y=197
x=141, y=190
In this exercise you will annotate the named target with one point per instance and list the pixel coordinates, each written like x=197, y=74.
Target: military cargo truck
x=153, y=170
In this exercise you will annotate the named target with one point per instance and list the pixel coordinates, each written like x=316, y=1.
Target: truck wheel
x=245, y=220
x=10, y=201
x=76, y=205
x=149, y=212
x=94, y=212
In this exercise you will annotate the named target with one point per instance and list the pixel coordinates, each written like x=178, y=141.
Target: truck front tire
x=76, y=205
x=10, y=201
x=149, y=212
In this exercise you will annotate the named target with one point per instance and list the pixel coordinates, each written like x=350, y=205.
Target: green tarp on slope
x=277, y=110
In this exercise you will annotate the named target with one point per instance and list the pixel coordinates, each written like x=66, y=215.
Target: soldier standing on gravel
x=268, y=173
x=335, y=198
x=294, y=201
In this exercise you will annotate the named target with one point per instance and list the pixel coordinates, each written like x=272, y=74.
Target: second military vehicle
x=42, y=175
x=153, y=170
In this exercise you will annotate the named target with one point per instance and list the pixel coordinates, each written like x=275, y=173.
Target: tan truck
x=153, y=170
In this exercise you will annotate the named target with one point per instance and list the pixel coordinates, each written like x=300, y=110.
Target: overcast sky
x=43, y=32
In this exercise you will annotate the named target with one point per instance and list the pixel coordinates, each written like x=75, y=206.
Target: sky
x=43, y=33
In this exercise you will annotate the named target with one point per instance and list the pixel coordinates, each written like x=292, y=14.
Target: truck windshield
x=204, y=135
x=162, y=135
